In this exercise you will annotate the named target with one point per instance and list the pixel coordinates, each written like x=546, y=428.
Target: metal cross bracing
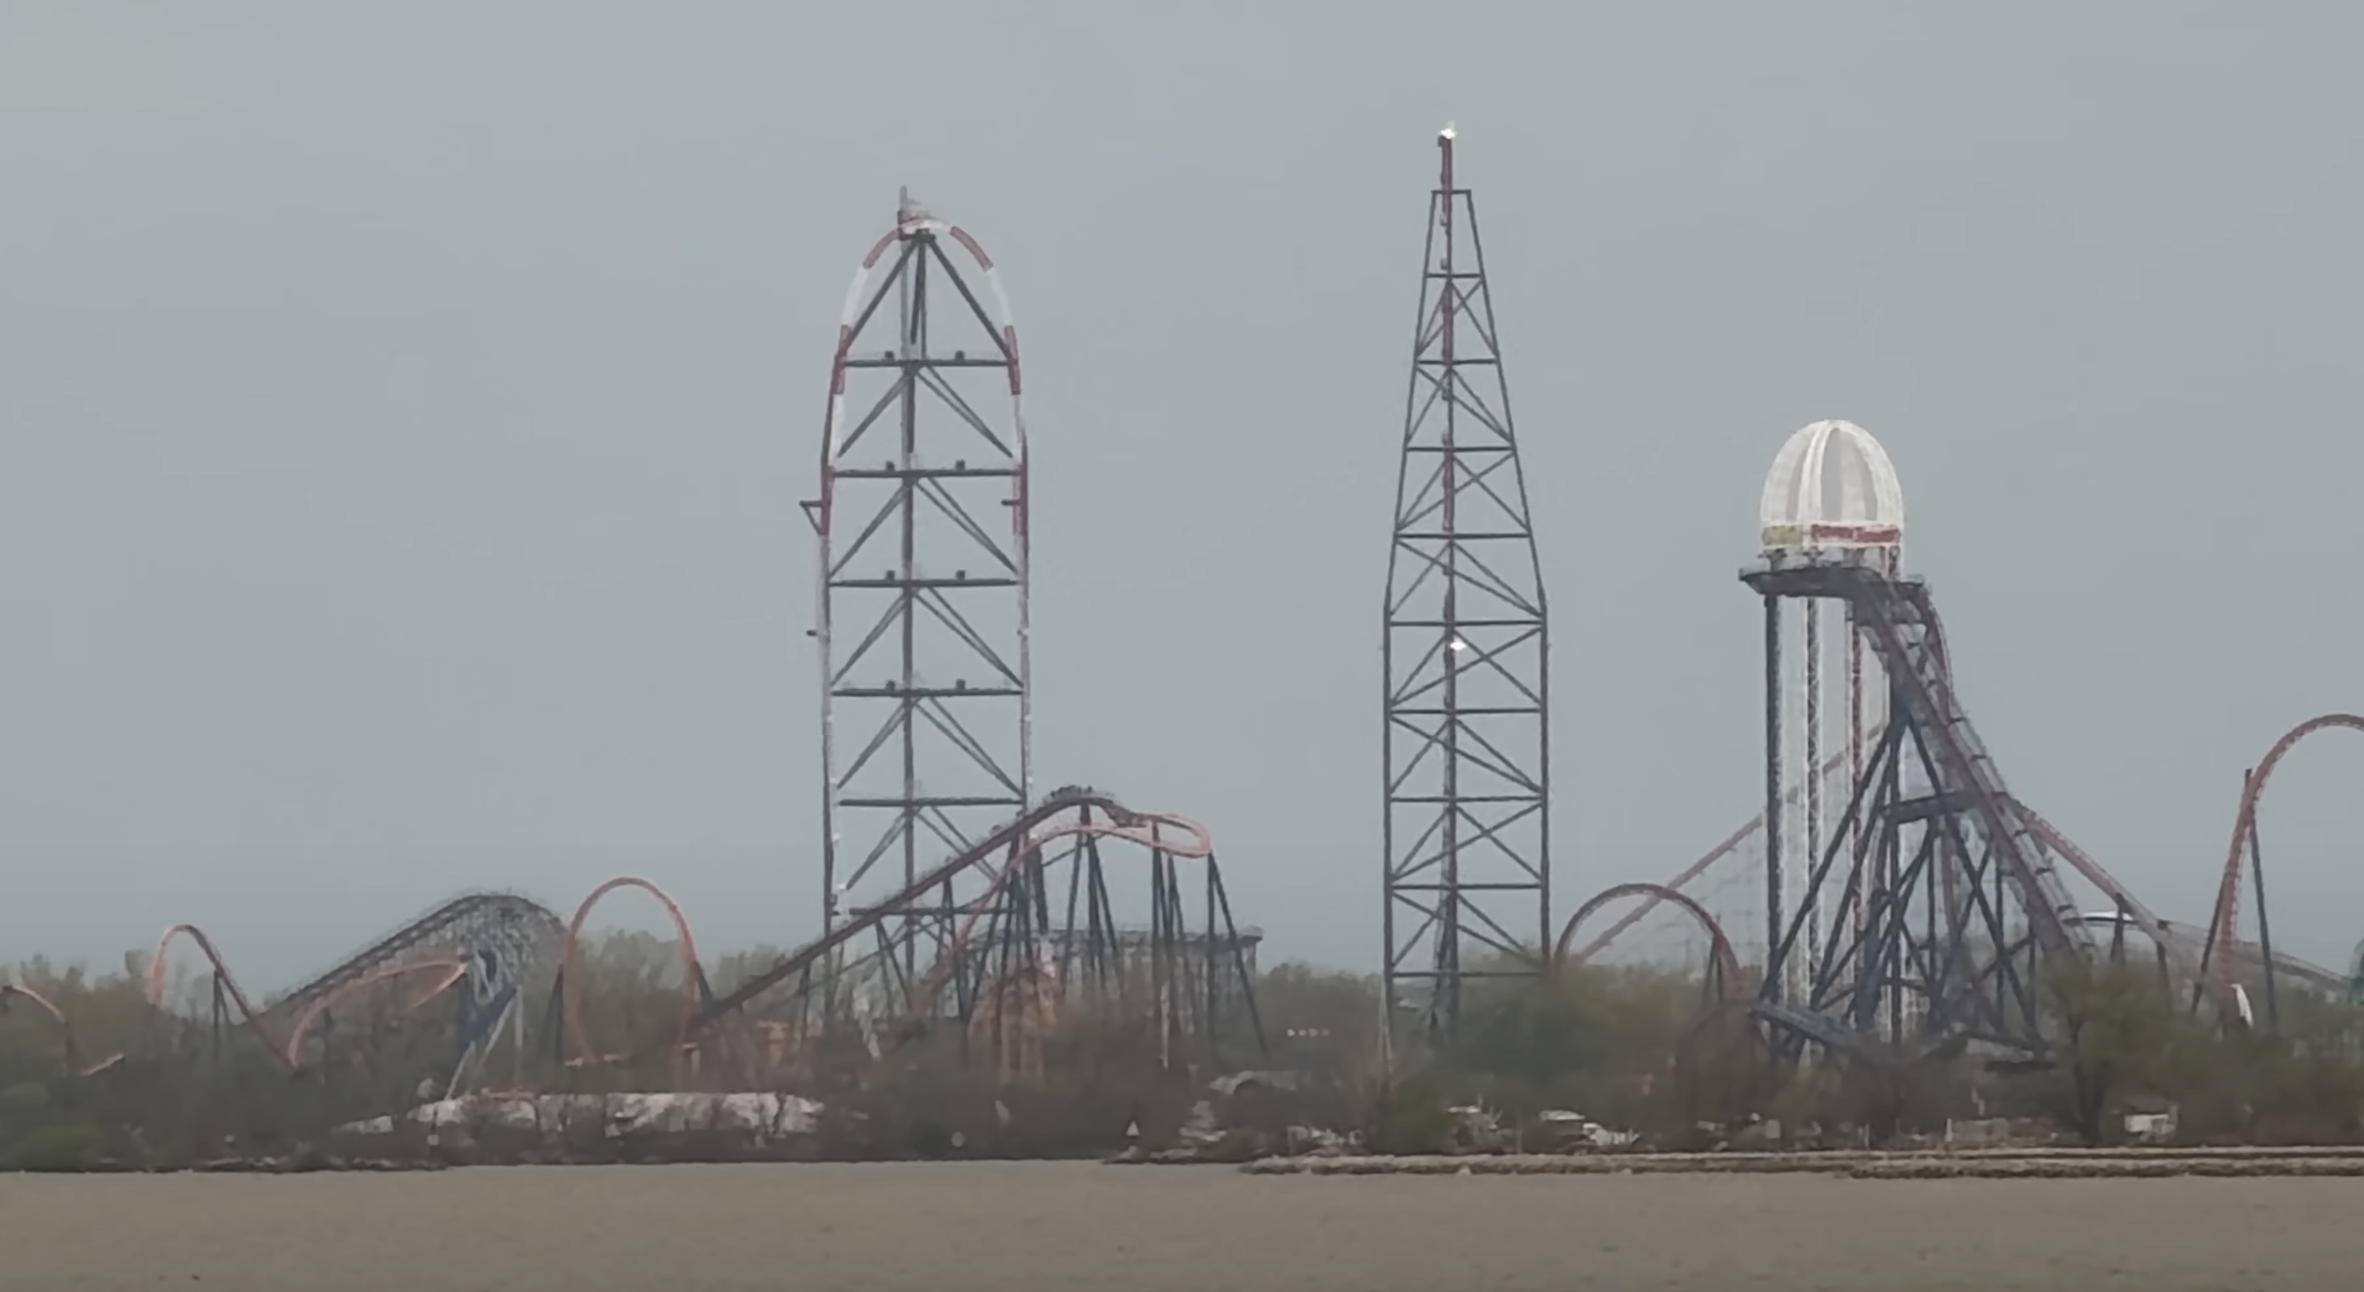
x=505, y=937
x=1467, y=887
x=923, y=623
x=1061, y=933
x=1950, y=901
x=506, y=942
x=479, y=951
x=1031, y=924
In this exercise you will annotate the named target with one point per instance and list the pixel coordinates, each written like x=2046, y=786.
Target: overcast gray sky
x=403, y=411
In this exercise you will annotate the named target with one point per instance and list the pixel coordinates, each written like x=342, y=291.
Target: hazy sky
x=403, y=411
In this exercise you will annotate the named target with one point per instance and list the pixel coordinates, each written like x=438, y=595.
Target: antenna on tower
x=1465, y=734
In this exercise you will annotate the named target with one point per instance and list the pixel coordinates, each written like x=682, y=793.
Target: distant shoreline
x=2236, y=1161
x=2006, y=1164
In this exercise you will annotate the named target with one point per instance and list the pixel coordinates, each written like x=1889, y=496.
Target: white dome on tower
x=1832, y=486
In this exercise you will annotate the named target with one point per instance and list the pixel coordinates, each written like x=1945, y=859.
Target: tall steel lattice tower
x=926, y=714
x=1467, y=747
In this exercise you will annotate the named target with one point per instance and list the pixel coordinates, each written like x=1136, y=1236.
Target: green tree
x=2121, y=1034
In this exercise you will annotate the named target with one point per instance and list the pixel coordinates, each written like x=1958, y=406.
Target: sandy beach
x=1051, y=1226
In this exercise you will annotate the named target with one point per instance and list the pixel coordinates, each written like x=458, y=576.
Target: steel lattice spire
x=1467, y=834
x=926, y=717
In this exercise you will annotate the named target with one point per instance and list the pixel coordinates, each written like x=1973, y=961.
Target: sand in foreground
x=1051, y=1226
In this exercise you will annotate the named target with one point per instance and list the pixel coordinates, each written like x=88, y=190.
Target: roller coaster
x=1953, y=895
x=480, y=952
x=997, y=946
x=1964, y=889
x=1905, y=901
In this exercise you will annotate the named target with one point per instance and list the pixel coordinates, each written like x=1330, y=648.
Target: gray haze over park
x=404, y=410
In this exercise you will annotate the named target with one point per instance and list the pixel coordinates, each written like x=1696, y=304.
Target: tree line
x=1640, y=1050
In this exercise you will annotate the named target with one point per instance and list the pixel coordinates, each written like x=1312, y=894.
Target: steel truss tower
x=1466, y=735
x=926, y=717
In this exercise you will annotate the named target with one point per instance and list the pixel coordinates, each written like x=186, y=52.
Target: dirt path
x=1055, y=1226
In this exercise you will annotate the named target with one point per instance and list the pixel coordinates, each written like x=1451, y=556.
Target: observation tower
x=1831, y=497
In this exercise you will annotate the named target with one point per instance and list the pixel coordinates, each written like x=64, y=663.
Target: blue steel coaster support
x=1950, y=904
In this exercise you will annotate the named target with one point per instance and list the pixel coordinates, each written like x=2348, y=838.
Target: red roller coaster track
x=442, y=975
x=1095, y=816
x=1146, y=829
x=1663, y=892
x=287, y=1052
x=248, y=1016
x=422, y=947
x=1163, y=832
x=65, y=1028
x=2221, y=946
x=2228, y=890
x=569, y=978
x=1011, y=839
x=1720, y=953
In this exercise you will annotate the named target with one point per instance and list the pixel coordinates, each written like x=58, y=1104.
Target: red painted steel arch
x=1720, y=947
x=2228, y=890
x=570, y=986
x=39, y=1001
x=451, y=972
x=65, y=1028
x=248, y=1016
